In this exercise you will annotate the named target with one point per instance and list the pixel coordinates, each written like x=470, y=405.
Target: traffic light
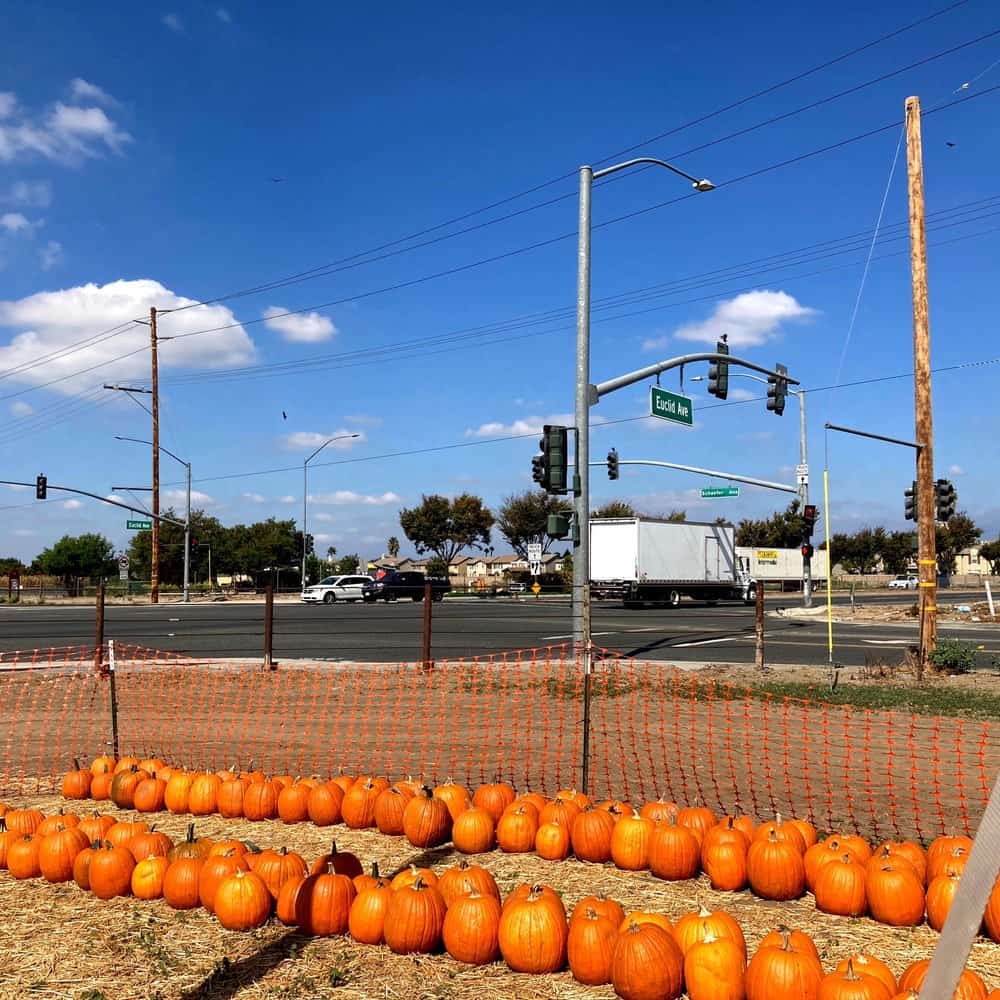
x=194, y=543
x=550, y=472
x=718, y=373
x=807, y=550
x=41, y=488
x=809, y=514
x=612, y=464
x=910, y=501
x=538, y=469
x=777, y=388
x=945, y=499
x=557, y=526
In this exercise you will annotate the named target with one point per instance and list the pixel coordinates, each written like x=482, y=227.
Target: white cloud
x=324, y=517
x=72, y=505
x=956, y=470
x=19, y=408
x=84, y=90
x=24, y=532
x=32, y=194
x=326, y=538
x=750, y=319
x=50, y=321
x=17, y=489
x=523, y=425
x=15, y=222
x=364, y=420
x=288, y=498
x=114, y=496
x=302, y=440
x=50, y=255
x=254, y=497
x=743, y=395
x=174, y=498
x=65, y=133
x=343, y=497
x=173, y=22
x=223, y=15
x=299, y=328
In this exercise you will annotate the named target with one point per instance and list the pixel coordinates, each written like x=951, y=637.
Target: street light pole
x=305, y=496
x=581, y=477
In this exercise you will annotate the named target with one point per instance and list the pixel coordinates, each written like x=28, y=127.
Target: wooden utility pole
x=154, y=559
x=927, y=541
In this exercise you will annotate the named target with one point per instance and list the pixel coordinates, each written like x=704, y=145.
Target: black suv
x=394, y=585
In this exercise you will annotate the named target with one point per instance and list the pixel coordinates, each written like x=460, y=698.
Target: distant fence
x=655, y=732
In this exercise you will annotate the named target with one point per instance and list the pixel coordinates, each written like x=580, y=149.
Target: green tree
x=990, y=551
x=10, y=564
x=613, y=508
x=522, y=519
x=392, y=546
x=206, y=532
x=860, y=552
x=446, y=527
x=348, y=564
x=74, y=557
x=677, y=516
x=436, y=566
x=897, y=550
x=783, y=530
x=959, y=533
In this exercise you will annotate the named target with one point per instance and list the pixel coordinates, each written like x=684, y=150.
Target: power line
x=830, y=248
x=534, y=434
x=701, y=119
x=356, y=260
x=524, y=249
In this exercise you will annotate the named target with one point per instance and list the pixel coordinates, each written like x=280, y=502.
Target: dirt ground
x=62, y=944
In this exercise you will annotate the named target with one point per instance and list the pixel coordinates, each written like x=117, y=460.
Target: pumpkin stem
x=786, y=937
x=190, y=833
x=851, y=976
x=375, y=873
x=76, y=764
x=703, y=911
x=777, y=819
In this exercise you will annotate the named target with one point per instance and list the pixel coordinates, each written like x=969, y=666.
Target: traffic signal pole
x=581, y=476
x=154, y=560
x=926, y=537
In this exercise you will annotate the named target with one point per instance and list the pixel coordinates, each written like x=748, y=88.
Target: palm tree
x=392, y=546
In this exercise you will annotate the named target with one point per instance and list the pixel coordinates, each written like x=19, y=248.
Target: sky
x=364, y=222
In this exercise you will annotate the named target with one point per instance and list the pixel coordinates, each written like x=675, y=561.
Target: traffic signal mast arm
x=612, y=385
x=714, y=473
x=97, y=496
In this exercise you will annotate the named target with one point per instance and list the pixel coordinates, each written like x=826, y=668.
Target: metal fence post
x=760, y=625
x=99, y=629
x=269, y=627
x=114, y=698
x=428, y=663
x=588, y=672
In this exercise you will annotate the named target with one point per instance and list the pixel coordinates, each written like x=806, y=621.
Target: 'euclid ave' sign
x=670, y=406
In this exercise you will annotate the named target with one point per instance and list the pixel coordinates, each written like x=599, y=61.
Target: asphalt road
x=392, y=632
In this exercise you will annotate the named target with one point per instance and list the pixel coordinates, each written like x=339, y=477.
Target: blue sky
x=169, y=155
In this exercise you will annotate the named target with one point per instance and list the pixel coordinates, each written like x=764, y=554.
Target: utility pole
x=927, y=542
x=154, y=560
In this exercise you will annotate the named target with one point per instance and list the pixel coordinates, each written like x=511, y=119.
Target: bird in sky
x=284, y=416
x=950, y=145
x=278, y=180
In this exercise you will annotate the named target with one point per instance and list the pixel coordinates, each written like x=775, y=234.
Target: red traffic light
x=807, y=551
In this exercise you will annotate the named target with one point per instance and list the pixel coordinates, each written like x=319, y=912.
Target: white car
x=905, y=581
x=335, y=588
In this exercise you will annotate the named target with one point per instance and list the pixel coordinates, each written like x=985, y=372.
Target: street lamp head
x=703, y=185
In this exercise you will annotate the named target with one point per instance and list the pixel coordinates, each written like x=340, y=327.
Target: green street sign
x=714, y=492
x=139, y=525
x=670, y=406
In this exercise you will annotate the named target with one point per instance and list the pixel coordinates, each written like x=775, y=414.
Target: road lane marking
x=545, y=638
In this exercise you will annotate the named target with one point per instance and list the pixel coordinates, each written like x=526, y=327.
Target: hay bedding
x=58, y=942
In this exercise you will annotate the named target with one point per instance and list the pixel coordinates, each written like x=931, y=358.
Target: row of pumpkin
x=642, y=955
x=896, y=883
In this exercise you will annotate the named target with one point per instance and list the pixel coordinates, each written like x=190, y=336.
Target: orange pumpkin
x=242, y=902
x=775, y=868
x=590, y=835
x=630, y=843
x=714, y=969
x=293, y=803
x=970, y=984
x=180, y=883
x=895, y=895
x=533, y=932
x=516, y=830
x=323, y=903
x=471, y=928
x=76, y=783
x=109, y=871
x=647, y=964
x=674, y=851
x=324, y=804
x=366, y=920
x=694, y=928
x=426, y=820
x=474, y=831
x=590, y=947
x=213, y=871
x=841, y=888
x=148, y=876
x=494, y=798
x=414, y=919
x=782, y=971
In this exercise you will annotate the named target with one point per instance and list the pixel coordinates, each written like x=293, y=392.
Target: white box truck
x=640, y=559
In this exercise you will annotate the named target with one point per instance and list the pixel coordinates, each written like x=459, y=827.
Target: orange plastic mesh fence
x=655, y=732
